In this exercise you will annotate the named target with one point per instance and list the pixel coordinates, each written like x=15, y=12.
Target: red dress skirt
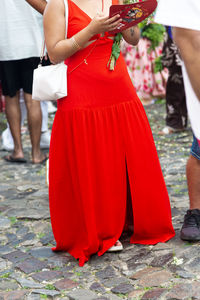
x=100, y=135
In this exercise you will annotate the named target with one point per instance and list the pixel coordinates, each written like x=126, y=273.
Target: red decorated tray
x=132, y=14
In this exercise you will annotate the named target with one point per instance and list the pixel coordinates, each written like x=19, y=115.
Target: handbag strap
x=66, y=29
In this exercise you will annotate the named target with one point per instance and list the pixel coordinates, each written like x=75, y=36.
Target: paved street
x=30, y=270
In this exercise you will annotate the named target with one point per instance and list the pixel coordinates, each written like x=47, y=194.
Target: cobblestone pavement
x=30, y=270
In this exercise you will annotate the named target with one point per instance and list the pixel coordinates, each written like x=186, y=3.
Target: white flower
x=177, y=261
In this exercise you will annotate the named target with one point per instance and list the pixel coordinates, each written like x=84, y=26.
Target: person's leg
x=191, y=227
x=188, y=42
x=34, y=122
x=13, y=115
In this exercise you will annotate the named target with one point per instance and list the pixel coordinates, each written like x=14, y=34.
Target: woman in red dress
x=101, y=140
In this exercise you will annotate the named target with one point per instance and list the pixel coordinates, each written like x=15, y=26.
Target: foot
x=13, y=159
x=116, y=247
x=190, y=230
x=41, y=160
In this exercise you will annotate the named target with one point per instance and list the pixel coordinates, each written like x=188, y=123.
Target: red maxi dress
x=100, y=134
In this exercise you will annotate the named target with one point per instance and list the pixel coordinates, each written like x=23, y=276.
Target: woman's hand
x=101, y=24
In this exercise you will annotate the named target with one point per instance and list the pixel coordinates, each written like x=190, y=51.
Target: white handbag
x=50, y=82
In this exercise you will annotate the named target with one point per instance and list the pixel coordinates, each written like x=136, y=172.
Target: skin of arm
x=132, y=35
x=39, y=5
x=60, y=48
x=188, y=42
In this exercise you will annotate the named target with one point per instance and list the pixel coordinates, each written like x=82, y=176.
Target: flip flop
x=12, y=159
x=42, y=161
x=116, y=247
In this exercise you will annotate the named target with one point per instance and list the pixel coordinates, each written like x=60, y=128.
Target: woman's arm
x=132, y=35
x=58, y=47
x=39, y=5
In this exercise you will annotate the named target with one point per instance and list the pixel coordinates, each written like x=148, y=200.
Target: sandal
x=116, y=247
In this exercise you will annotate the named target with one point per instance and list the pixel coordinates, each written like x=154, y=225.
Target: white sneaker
x=51, y=108
x=7, y=140
x=45, y=140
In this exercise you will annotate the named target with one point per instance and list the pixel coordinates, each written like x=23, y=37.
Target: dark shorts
x=195, y=149
x=17, y=74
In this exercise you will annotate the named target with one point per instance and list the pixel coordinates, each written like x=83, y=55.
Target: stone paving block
x=123, y=288
x=155, y=279
x=81, y=294
x=196, y=290
x=185, y=274
x=114, y=297
x=31, y=265
x=47, y=275
x=114, y=281
x=65, y=284
x=16, y=256
x=107, y=272
x=153, y=294
x=22, y=230
x=50, y=293
x=4, y=264
x=14, y=295
x=42, y=252
x=95, y=286
x=6, y=284
x=61, y=262
x=33, y=296
x=162, y=260
x=135, y=294
x=27, y=283
x=101, y=298
x=48, y=238
x=144, y=272
x=180, y=292
x=194, y=265
x=5, y=250
x=4, y=222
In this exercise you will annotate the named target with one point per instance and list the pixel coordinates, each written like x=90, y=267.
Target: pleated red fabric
x=101, y=133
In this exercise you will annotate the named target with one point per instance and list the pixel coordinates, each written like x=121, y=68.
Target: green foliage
x=115, y=51
x=13, y=220
x=50, y=287
x=6, y=275
x=154, y=33
x=158, y=66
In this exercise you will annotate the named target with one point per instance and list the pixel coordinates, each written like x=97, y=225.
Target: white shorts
x=179, y=13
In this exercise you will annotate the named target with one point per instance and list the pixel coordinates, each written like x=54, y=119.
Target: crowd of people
x=101, y=180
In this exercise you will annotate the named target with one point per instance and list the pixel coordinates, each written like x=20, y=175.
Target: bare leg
x=188, y=42
x=193, y=180
x=13, y=115
x=34, y=122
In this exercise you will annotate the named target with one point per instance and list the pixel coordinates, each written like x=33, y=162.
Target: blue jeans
x=195, y=149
